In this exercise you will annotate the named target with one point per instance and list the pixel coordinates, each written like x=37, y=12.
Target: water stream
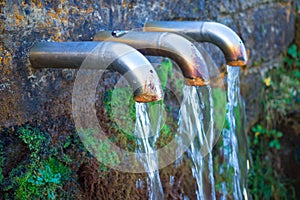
x=234, y=150
x=146, y=151
x=197, y=105
x=197, y=124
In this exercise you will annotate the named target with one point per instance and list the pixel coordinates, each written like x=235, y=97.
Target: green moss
x=119, y=104
x=42, y=174
x=58, y=167
x=41, y=182
x=36, y=140
x=219, y=99
x=264, y=181
x=164, y=72
x=281, y=96
x=100, y=148
x=282, y=91
x=120, y=108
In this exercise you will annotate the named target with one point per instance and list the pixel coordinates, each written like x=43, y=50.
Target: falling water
x=210, y=136
x=146, y=152
x=196, y=123
x=234, y=147
x=194, y=109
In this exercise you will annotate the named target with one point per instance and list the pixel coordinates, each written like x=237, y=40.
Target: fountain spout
x=101, y=55
x=225, y=38
x=171, y=45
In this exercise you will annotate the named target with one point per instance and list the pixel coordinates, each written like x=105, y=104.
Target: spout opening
x=237, y=63
x=149, y=92
x=147, y=97
x=196, y=81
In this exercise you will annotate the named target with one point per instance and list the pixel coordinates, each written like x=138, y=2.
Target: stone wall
x=266, y=26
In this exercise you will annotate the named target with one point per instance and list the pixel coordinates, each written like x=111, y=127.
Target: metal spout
x=222, y=36
x=119, y=57
x=171, y=45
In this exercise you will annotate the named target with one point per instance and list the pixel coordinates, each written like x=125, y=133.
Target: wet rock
x=251, y=91
x=68, y=74
x=266, y=31
x=252, y=3
x=229, y=6
x=28, y=94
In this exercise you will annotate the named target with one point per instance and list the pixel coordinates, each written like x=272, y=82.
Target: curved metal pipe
x=171, y=45
x=222, y=36
x=101, y=55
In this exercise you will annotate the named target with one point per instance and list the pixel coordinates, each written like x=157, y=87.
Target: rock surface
x=267, y=27
x=43, y=98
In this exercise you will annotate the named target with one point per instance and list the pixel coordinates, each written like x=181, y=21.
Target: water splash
x=234, y=148
x=194, y=108
x=146, y=152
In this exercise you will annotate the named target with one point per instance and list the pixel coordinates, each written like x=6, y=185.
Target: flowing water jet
x=234, y=149
x=196, y=121
x=146, y=140
x=208, y=111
